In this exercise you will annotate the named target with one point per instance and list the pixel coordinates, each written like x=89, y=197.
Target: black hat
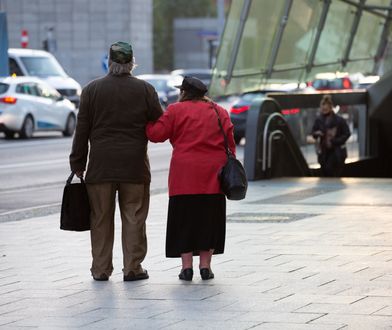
x=192, y=84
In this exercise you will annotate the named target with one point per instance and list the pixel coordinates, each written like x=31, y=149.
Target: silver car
x=28, y=105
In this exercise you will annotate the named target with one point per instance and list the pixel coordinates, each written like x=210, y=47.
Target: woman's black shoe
x=206, y=274
x=186, y=274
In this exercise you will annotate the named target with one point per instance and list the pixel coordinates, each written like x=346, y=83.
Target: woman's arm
x=344, y=133
x=160, y=130
x=317, y=129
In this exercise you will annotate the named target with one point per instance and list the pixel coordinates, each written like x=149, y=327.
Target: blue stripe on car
x=43, y=124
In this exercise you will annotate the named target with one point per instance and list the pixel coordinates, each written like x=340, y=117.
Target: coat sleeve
x=154, y=108
x=78, y=156
x=162, y=129
x=344, y=133
x=316, y=127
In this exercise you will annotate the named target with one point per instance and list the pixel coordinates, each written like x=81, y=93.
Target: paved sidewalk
x=300, y=254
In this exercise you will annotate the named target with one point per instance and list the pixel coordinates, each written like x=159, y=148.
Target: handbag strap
x=228, y=152
x=70, y=178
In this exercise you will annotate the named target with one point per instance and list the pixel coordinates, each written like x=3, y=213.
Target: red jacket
x=198, y=145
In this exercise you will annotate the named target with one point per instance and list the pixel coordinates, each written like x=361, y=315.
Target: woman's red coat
x=198, y=145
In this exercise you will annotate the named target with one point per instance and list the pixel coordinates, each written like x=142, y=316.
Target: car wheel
x=237, y=139
x=27, y=129
x=70, y=126
x=9, y=135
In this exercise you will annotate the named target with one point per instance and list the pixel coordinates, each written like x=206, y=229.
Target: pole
x=220, y=4
x=4, y=70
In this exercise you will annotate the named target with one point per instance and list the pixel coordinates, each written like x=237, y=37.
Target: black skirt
x=196, y=223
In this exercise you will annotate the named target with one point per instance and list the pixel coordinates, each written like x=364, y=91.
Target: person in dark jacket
x=113, y=113
x=331, y=133
x=197, y=206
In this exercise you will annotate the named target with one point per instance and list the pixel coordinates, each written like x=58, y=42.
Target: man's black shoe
x=102, y=277
x=136, y=277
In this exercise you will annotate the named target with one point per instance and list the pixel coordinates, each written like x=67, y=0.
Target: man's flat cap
x=121, y=52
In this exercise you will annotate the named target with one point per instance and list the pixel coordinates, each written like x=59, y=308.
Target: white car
x=43, y=65
x=204, y=75
x=29, y=104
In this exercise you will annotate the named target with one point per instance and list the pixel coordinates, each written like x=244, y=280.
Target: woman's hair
x=118, y=69
x=327, y=99
x=190, y=96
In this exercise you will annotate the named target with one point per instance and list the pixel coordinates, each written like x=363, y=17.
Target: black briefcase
x=75, y=207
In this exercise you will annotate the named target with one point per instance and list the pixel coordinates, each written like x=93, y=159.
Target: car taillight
x=290, y=111
x=346, y=83
x=240, y=109
x=8, y=99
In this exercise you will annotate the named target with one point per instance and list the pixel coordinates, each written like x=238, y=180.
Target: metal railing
x=260, y=136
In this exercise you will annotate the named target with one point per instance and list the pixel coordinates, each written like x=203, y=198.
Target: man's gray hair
x=118, y=69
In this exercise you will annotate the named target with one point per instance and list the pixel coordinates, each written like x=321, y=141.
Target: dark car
x=164, y=84
x=239, y=114
x=331, y=83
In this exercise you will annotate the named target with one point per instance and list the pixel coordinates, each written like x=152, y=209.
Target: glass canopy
x=286, y=41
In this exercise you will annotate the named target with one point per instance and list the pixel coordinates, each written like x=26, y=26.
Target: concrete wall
x=84, y=30
x=191, y=42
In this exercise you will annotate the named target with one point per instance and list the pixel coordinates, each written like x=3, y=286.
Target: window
x=3, y=88
x=42, y=66
x=14, y=68
x=27, y=88
x=47, y=92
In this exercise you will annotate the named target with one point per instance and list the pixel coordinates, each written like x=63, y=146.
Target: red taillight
x=8, y=100
x=346, y=83
x=240, y=109
x=293, y=111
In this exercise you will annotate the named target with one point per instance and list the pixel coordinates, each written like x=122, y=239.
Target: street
x=33, y=173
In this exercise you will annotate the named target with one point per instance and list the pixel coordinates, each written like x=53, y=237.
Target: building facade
x=195, y=42
x=79, y=32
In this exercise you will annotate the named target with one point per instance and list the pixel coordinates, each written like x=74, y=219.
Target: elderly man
x=112, y=117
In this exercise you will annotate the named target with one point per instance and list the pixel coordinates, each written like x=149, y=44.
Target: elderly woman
x=196, y=223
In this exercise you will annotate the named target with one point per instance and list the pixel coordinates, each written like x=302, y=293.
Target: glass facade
x=280, y=41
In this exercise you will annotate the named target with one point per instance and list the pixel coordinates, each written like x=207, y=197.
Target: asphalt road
x=33, y=173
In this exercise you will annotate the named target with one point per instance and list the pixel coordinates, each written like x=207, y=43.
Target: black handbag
x=232, y=176
x=75, y=207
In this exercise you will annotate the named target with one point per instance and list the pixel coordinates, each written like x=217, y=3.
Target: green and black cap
x=121, y=52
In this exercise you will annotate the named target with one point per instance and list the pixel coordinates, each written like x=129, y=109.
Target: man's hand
x=79, y=174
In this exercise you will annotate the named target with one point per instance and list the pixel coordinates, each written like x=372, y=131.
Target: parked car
x=239, y=114
x=29, y=104
x=164, y=84
x=367, y=81
x=331, y=81
x=204, y=75
x=41, y=64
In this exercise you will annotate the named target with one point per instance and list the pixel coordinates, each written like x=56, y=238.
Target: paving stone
x=330, y=271
x=291, y=326
x=212, y=325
